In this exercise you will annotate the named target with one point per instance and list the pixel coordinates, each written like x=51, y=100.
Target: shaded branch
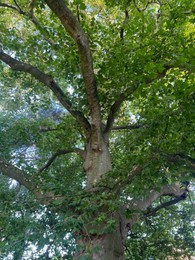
x=115, y=108
x=143, y=9
x=18, y=6
x=113, y=112
x=138, y=206
x=47, y=129
x=167, y=67
x=125, y=20
x=13, y=7
x=73, y=28
x=126, y=127
x=58, y=153
x=163, y=135
x=29, y=182
x=153, y=211
x=173, y=190
x=16, y=174
x=179, y=157
x=31, y=6
x=49, y=82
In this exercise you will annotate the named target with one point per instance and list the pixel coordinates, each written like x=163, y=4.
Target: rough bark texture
x=108, y=246
x=97, y=159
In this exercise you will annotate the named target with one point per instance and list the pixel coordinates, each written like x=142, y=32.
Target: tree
x=97, y=120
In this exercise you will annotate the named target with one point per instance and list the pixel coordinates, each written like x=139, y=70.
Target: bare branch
x=58, y=153
x=49, y=82
x=72, y=26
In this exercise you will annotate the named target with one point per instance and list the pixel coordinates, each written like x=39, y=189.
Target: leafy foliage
x=143, y=54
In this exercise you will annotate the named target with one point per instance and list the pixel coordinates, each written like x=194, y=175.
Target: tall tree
x=97, y=124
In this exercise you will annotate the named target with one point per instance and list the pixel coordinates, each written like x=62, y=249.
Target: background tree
x=97, y=129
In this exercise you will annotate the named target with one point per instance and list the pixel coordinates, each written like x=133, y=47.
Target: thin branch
x=126, y=127
x=9, y=6
x=31, y=6
x=32, y=18
x=117, y=104
x=73, y=28
x=143, y=9
x=179, y=157
x=163, y=135
x=58, y=153
x=18, y=6
x=47, y=129
x=49, y=82
x=125, y=20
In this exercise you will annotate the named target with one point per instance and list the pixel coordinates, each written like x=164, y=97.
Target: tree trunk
x=104, y=247
x=97, y=160
x=103, y=244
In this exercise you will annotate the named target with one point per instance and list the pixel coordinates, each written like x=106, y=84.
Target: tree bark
x=97, y=158
x=108, y=246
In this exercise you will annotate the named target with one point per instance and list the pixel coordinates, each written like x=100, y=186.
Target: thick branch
x=25, y=180
x=152, y=212
x=139, y=206
x=58, y=153
x=113, y=112
x=48, y=81
x=72, y=26
x=15, y=173
x=173, y=190
x=115, y=108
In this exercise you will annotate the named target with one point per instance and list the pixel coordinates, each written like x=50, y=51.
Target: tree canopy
x=97, y=119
